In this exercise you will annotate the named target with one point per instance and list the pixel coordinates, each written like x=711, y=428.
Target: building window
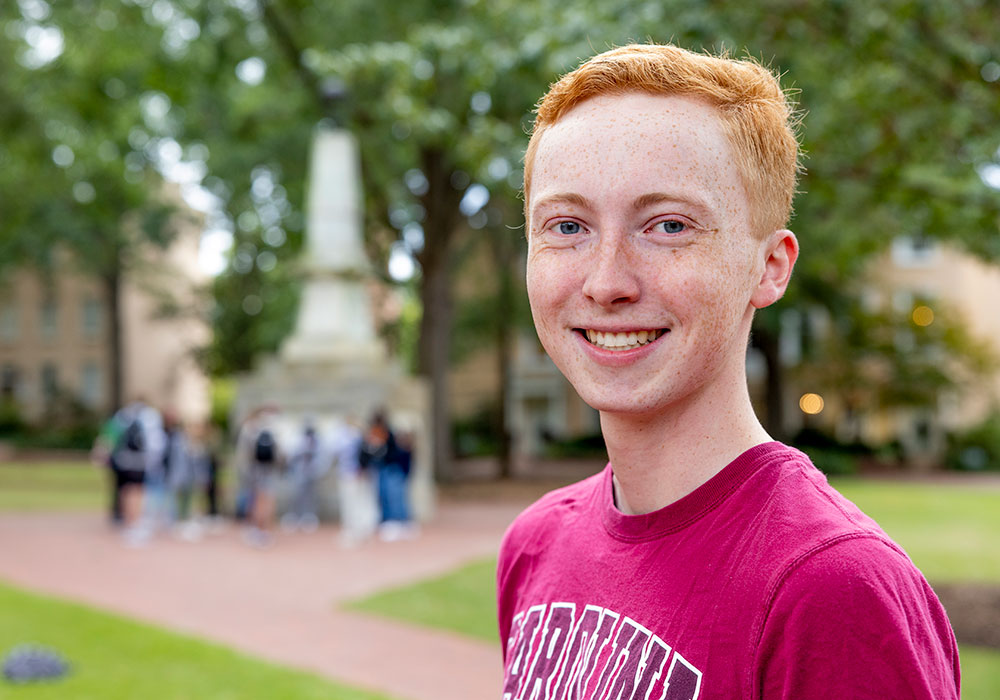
x=9, y=378
x=90, y=385
x=92, y=313
x=914, y=251
x=50, y=382
x=49, y=319
x=9, y=324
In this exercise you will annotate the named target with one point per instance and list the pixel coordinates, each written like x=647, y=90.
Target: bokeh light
x=923, y=316
x=811, y=404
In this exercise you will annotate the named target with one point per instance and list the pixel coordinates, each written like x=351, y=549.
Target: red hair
x=756, y=115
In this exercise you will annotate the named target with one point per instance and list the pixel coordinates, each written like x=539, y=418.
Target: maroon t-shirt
x=762, y=583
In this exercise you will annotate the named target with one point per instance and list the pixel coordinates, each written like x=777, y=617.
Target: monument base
x=338, y=387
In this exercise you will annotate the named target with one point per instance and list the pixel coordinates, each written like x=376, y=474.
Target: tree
x=875, y=84
x=91, y=131
x=440, y=96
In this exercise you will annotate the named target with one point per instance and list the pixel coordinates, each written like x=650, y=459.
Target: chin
x=623, y=405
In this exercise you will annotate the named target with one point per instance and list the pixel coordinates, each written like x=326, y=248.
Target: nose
x=612, y=277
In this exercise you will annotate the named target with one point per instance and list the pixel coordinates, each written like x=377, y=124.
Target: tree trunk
x=111, y=282
x=503, y=252
x=434, y=349
x=766, y=341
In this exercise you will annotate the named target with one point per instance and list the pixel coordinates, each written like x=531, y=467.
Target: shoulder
x=795, y=513
x=854, y=617
x=556, y=507
x=532, y=533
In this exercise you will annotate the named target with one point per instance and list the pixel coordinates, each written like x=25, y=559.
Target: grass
x=116, y=659
x=56, y=486
x=462, y=601
x=980, y=673
x=949, y=530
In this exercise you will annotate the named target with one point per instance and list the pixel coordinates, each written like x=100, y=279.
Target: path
x=280, y=603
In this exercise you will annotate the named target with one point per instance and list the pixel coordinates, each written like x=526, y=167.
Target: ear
x=781, y=249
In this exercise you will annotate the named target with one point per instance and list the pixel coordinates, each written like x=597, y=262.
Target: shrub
x=833, y=456
x=977, y=448
x=584, y=446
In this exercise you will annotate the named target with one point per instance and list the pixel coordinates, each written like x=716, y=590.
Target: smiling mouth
x=621, y=341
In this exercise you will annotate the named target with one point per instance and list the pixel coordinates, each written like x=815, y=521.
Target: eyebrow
x=653, y=198
x=641, y=202
x=563, y=198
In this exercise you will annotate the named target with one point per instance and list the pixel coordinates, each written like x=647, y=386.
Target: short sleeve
x=856, y=619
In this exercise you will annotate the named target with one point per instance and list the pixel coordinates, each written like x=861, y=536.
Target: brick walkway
x=280, y=603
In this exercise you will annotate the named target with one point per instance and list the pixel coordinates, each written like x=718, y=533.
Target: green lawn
x=980, y=673
x=116, y=659
x=462, y=601
x=53, y=486
x=949, y=530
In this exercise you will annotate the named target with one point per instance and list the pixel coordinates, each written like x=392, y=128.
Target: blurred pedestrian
x=131, y=444
x=100, y=455
x=160, y=431
x=359, y=513
x=381, y=453
x=308, y=463
x=204, y=446
x=260, y=460
x=186, y=471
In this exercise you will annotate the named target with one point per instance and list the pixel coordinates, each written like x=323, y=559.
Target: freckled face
x=641, y=262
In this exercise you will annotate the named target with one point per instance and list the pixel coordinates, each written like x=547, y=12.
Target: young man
x=706, y=560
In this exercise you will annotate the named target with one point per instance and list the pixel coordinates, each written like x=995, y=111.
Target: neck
x=659, y=458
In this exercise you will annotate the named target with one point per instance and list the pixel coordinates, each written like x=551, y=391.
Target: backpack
x=128, y=453
x=265, y=449
x=134, y=439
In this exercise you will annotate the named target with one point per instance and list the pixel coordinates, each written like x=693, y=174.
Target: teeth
x=622, y=341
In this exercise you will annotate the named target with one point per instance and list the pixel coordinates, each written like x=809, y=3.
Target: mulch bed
x=974, y=611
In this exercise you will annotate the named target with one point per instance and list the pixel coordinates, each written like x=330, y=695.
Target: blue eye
x=569, y=228
x=672, y=226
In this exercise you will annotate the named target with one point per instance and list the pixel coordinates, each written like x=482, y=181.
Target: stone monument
x=333, y=366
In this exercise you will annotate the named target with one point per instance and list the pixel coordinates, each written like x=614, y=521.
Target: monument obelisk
x=334, y=366
x=335, y=319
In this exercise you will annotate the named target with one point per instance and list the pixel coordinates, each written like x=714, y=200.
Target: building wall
x=53, y=337
x=57, y=328
x=913, y=272
x=950, y=281
x=160, y=354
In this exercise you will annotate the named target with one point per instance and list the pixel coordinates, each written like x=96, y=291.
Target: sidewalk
x=280, y=603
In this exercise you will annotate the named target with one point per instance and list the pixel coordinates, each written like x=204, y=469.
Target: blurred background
x=153, y=175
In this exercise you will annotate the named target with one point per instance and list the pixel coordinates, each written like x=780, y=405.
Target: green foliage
x=584, y=446
x=463, y=601
x=440, y=94
x=134, y=660
x=223, y=393
x=11, y=420
x=476, y=436
x=66, y=424
x=880, y=358
x=978, y=447
x=837, y=457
